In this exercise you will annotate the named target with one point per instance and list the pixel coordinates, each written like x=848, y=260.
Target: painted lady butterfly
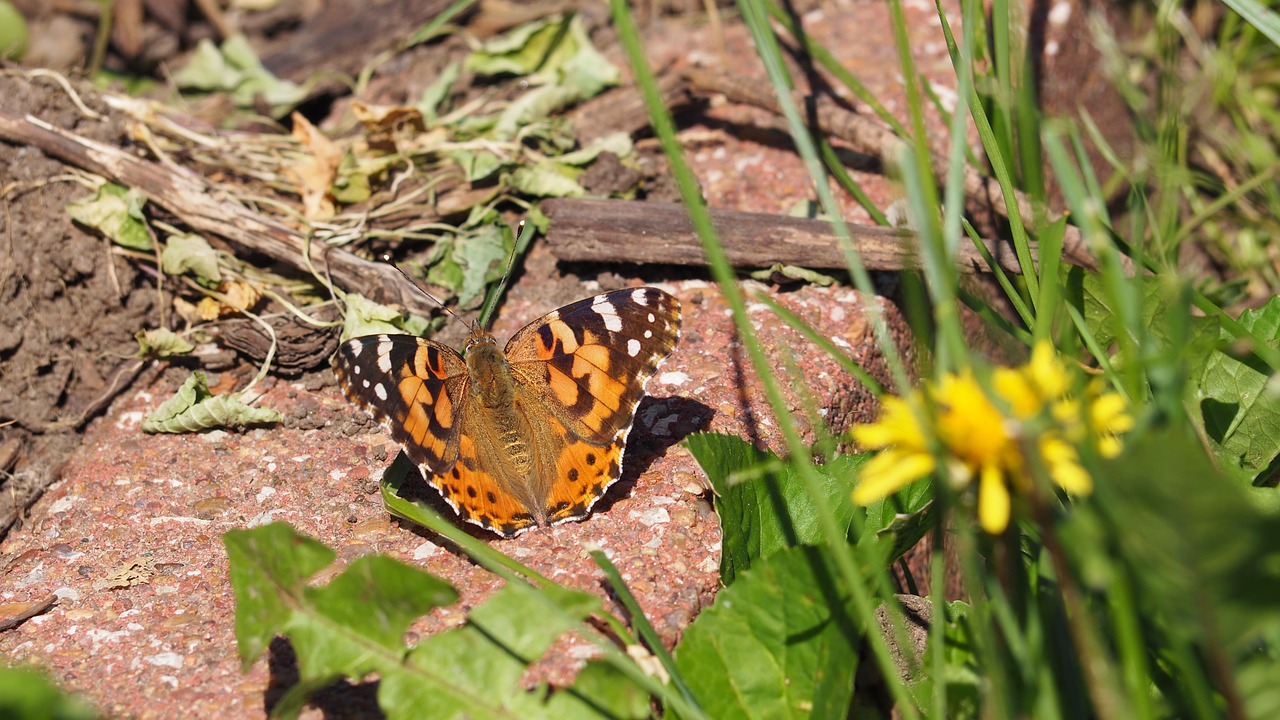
x=530, y=435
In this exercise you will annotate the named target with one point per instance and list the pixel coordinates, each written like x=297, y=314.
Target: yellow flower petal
x=1014, y=388
x=897, y=426
x=1046, y=372
x=889, y=471
x=993, y=501
x=1064, y=466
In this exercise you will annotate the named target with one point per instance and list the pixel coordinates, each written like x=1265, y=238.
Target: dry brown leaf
x=315, y=173
x=134, y=572
x=386, y=125
x=240, y=296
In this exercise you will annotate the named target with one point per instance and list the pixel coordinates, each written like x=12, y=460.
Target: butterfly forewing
x=589, y=361
x=413, y=387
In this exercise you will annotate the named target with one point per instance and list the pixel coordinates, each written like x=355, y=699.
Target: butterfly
x=530, y=435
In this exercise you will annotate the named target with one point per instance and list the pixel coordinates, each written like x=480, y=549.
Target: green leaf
x=116, y=212
x=190, y=252
x=618, y=143
x=1203, y=547
x=547, y=178
x=1162, y=308
x=27, y=693
x=478, y=165
x=13, y=32
x=269, y=567
x=778, y=643
x=434, y=95
x=194, y=408
x=600, y=690
x=762, y=504
x=351, y=185
x=525, y=49
x=161, y=343
x=780, y=273
x=472, y=260
x=562, y=65
x=235, y=69
x=1240, y=400
x=475, y=670
x=366, y=317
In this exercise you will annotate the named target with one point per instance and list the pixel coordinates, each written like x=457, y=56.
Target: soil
x=71, y=305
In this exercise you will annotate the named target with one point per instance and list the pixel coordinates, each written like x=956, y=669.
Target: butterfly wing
x=587, y=365
x=589, y=361
x=413, y=387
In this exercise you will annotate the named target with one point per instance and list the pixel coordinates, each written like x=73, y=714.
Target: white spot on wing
x=639, y=296
x=633, y=347
x=381, y=391
x=366, y=384
x=355, y=349
x=651, y=317
x=355, y=369
x=608, y=313
x=384, y=355
x=648, y=334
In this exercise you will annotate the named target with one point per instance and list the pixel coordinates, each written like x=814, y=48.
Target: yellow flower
x=983, y=436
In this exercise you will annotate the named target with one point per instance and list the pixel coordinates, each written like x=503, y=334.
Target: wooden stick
x=873, y=137
x=202, y=206
x=35, y=609
x=614, y=230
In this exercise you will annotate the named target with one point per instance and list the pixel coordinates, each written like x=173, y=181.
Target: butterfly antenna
x=524, y=234
x=386, y=258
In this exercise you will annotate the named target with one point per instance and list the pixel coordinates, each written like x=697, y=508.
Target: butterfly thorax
x=490, y=373
x=500, y=435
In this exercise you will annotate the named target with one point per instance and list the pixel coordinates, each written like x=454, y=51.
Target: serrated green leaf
x=366, y=317
x=116, y=212
x=269, y=567
x=762, y=504
x=194, y=408
x=547, y=178
x=1240, y=400
x=778, y=643
x=600, y=691
x=475, y=670
x=350, y=627
x=161, y=343
x=371, y=603
x=190, y=252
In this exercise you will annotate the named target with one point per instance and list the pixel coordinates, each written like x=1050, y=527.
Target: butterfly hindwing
x=589, y=361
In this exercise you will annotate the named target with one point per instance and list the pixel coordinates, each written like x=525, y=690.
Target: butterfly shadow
x=660, y=424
